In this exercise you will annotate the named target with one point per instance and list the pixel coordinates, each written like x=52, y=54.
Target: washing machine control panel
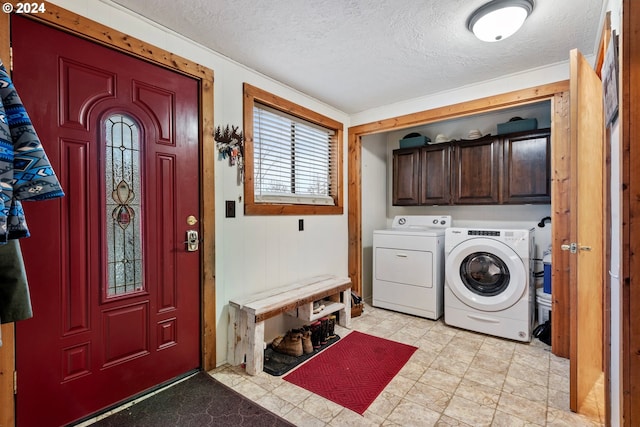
x=483, y=233
x=513, y=237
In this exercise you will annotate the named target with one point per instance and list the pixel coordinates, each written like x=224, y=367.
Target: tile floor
x=456, y=378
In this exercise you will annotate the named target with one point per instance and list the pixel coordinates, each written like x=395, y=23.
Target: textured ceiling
x=360, y=54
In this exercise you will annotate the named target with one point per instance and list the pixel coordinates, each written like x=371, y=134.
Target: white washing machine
x=408, y=265
x=489, y=285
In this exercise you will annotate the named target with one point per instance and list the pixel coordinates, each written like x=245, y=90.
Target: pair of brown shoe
x=295, y=343
x=307, y=345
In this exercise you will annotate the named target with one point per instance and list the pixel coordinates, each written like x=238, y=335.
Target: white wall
x=616, y=287
x=253, y=253
x=374, y=201
x=524, y=80
x=615, y=6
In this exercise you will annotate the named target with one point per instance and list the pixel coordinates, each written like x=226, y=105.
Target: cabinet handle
x=401, y=255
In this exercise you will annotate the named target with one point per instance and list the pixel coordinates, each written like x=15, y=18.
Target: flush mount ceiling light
x=499, y=19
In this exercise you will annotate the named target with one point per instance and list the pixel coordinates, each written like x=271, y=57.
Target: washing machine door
x=486, y=274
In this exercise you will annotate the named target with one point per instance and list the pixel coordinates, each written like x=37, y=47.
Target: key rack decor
x=230, y=143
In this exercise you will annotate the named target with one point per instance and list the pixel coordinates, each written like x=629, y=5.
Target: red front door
x=115, y=290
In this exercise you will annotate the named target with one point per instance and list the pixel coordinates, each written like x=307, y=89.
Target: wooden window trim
x=252, y=95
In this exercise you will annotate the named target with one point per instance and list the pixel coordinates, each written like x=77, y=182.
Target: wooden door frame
x=629, y=110
x=558, y=94
x=85, y=28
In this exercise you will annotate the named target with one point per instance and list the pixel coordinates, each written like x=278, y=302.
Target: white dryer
x=408, y=265
x=489, y=285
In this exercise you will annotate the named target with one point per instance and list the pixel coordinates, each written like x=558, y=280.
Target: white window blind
x=294, y=160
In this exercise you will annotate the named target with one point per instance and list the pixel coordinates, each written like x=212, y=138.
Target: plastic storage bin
x=543, y=302
x=547, y=278
x=546, y=262
x=517, y=126
x=416, y=141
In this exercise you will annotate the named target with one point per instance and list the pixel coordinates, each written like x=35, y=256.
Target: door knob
x=573, y=248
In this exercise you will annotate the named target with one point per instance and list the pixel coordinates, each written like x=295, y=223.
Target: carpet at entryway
x=354, y=371
x=199, y=401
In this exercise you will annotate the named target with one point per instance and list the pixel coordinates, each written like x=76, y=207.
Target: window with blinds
x=292, y=157
x=294, y=160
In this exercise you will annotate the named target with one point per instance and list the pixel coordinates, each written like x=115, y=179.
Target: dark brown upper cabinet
x=527, y=168
x=476, y=172
x=406, y=177
x=504, y=169
x=435, y=175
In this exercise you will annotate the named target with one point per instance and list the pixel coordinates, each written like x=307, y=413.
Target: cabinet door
x=435, y=173
x=406, y=176
x=527, y=168
x=476, y=172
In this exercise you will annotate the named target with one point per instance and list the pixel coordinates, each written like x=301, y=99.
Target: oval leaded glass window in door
x=123, y=206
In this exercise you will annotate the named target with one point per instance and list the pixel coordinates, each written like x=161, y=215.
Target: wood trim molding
x=7, y=367
x=468, y=108
x=7, y=351
x=354, y=211
x=482, y=105
x=80, y=26
x=561, y=220
x=630, y=159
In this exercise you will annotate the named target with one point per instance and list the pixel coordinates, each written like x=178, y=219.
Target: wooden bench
x=247, y=314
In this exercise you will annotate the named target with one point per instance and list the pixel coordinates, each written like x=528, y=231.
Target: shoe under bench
x=247, y=314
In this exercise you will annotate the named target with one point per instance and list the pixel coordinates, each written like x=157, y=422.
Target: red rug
x=354, y=371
